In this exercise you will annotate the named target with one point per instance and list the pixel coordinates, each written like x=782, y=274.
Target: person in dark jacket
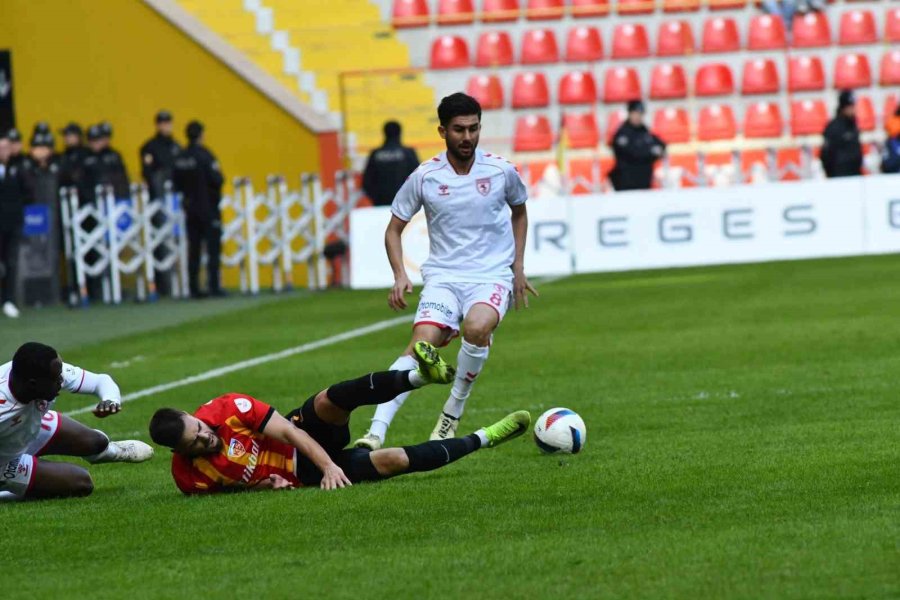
x=104, y=165
x=71, y=161
x=12, y=209
x=388, y=167
x=636, y=150
x=199, y=179
x=16, y=147
x=841, y=154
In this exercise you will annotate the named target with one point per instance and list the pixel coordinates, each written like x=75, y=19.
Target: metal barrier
x=118, y=243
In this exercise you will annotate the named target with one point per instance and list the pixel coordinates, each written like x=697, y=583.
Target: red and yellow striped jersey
x=247, y=456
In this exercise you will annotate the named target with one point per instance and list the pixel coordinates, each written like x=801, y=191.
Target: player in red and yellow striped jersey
x=235, y=442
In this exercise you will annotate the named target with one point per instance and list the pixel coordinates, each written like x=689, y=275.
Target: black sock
x=374, y=388
x=435, y=454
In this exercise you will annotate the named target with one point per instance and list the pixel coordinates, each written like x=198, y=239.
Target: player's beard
x=454, y=151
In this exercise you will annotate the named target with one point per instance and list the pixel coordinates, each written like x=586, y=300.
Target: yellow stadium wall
x=118, y=60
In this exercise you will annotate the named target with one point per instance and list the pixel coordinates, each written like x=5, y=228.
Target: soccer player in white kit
x=474, y=205
x=29, y=427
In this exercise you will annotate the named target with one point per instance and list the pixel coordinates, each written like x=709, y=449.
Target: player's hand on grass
x=520, y=286
x=402, y=285
x=105, y=408
x=333, y=478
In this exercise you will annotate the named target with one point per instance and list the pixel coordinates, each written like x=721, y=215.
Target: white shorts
x=17, y=474
x=445, y=305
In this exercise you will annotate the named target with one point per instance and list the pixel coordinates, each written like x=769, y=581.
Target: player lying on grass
x=30, y=428
x=236, y=442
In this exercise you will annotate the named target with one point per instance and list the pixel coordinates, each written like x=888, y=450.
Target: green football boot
x=511, y=426
x=432, y=367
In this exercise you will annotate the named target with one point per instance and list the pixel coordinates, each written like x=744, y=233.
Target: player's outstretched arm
x=520, y=231
x=394, y=247
x=80, y=381
x=280, y=429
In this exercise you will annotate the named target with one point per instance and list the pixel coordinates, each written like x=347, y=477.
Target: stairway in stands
x=338, y=56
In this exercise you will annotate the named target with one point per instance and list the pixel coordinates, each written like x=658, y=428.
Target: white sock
x=469, y=363
x=482, y=435
x=415, y=379
x=107, y=455
x=384, y=413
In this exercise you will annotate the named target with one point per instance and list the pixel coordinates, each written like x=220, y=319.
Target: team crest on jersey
x=242, y=404
x=483, y=186
x=236, y=448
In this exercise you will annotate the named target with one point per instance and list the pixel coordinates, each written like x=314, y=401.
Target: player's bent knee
x=97, y=442
x=390, y=461
x=82, y=485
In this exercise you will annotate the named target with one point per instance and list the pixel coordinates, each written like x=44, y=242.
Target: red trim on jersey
x=80, y=383
x=34, y=464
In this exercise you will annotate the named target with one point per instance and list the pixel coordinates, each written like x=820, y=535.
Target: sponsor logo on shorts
x=12, y=468
x=236, y=448
x=438, y=306
x=242, y=404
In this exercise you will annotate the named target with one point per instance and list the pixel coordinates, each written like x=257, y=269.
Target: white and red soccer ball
x=560, y=430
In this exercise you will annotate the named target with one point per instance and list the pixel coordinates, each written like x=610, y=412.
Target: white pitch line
x=259, y=360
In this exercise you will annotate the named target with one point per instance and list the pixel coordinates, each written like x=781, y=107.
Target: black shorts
x=354, y=462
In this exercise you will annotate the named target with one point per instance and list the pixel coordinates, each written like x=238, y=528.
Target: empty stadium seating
x=538, y=47
x=635, y=7
x=533, y=133
x=808, y=117
x=713, y=79
x=621, y=84
x=538, y=10
x=410, y=13
x=584, y=44
x=805, y=73
x=716, y=122
x=889, y=72
x=857, y=27
x=577, y=87
x=852, y=71
x=530, y=91
x=581, y=130
x=892, y=25
x=766, y=32
x=681, y=5
x=865, y=114
x=449, y=52
x=674, y=38
x=630, y=41
x=494, y=49
x=763, y=120
x=672, y=125
x=720, y=34
x=760, y=76
x=811, y=30
x=499, y=11
x=455, y=12
x=614, y=120
x=589, y=8
x=668, y=81
x=487, y=89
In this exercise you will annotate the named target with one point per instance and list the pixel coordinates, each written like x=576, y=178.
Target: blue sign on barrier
x=124, y=221
x=37, y=220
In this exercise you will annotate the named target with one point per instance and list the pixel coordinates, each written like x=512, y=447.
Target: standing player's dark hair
x=457, y=105
x=32, y=361
x=167, y=427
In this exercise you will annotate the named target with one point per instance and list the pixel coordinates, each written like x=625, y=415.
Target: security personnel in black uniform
x=71, y=161
x=113, y=165
x=17, y=152
x=636, y=150
x=199, y=179
x=104, y=166
x=388, y=167
x=841, y=151
x=12, y=207
x=158, y=155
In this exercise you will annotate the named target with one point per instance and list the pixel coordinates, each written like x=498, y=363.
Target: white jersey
x=469, y=227
x=20, y=422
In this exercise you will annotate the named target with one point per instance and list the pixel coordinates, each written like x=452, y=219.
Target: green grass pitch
x=742, y=443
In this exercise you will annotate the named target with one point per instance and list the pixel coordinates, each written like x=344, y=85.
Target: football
x=560, y=430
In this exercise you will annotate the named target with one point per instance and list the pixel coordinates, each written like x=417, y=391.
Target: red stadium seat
x=766, y=33
x=716, y=122
x=487, y=89
x=720, y=34
x=760, y=77
x=670, y=6
x=763, y=120
x=589, y=8
x=581, y=130
x=713, y=79
x=890, y=68
x=530, y=91
x=494, y=49
x=584, y=44
x=805, y=73
x=865, y=114
x=614, y=120
x=498, y=11
x=455, y=12
x=672, y=125
x=541, y=10
x=621, y=84
x=857, y=27
x=808, y=117
x=410, y=13
x=811, y=30
x=668, y=81
x=852, y=71
x=892, y=25
x=449, y=52
x=726, y=4
x=533, y=133
x=674, y=38
x=635, y=7
x=577, y=87
x=630, y=41
x=538, y=47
